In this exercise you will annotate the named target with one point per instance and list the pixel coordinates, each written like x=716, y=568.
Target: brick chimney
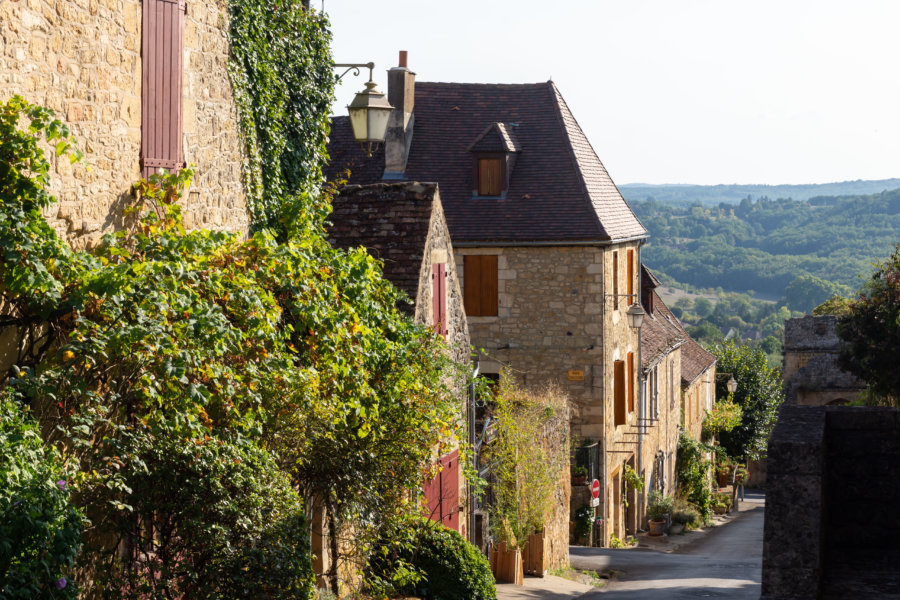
x=401, y=94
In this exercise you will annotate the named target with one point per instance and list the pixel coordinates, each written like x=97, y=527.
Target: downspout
x=471, y=410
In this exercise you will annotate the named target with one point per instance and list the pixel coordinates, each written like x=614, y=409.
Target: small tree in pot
x=658, y=508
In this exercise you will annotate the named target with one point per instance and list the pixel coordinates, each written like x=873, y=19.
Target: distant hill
x=712, y=195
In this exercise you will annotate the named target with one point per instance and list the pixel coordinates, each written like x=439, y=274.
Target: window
x=439, y=298
x=631, y=382
x=619, y=391
x=630, y=284
x=615, y=280
x=490, y=177
x=480, y=285
x=162, y=56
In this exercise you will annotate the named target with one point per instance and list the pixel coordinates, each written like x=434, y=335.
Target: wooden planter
x=533, y=555
x=657, y=527
x=506, y=565
x=580, y=480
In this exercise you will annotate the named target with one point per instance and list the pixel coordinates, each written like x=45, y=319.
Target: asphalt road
x=725, y=563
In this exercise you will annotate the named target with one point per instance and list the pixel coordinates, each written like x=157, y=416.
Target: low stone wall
x=832, y=523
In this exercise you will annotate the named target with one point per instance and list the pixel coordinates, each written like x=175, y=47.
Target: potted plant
x=658, y=508
x=721, y=503
x=579, y=475
x=723, y=470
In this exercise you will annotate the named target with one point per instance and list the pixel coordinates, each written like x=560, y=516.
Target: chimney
x=401, y=94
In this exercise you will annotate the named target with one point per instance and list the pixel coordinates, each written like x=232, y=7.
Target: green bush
x=426, y=560
x=659, y=505
x=40, y=531
x=208, y=519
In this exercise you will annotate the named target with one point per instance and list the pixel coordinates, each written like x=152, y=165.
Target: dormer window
x=494, y=154
x=490, y=176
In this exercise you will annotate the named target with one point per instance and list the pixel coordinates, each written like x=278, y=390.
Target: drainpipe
x=471, y=411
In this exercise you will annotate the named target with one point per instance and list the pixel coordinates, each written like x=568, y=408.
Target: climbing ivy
x=281, y=72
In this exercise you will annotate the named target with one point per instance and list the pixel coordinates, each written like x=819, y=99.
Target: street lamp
x=369, y=111
x=731, y=385
x=636, y=315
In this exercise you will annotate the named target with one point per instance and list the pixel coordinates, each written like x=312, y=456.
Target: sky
x=686, y=91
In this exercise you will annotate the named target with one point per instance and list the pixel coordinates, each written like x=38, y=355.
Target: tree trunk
x=333, y=533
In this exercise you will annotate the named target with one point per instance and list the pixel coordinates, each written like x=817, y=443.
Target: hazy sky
x=668, y=91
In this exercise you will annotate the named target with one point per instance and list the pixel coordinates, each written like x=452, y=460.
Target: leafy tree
x=806, y=292
x=758, y=394
x=836, y=305
x=702, y=306
x=871, y=330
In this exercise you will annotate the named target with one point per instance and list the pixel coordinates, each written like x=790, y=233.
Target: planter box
x=657, y=527
x=533, y=555
x=506, y=565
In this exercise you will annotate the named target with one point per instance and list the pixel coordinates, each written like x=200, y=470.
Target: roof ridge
x=538, y=84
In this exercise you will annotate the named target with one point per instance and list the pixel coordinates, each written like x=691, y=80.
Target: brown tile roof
x=694, y=361
x=391, y=221
x=660, y=334
x=559, y=190
x=497, y=137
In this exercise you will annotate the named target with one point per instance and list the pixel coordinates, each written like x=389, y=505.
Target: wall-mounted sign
x=575, y=375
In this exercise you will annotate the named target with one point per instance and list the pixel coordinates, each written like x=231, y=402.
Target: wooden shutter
x=631, y=382
x=480, y=283
x=162, y=56
x=615, y=280
x=619, y=391
x=490, y=171
x=442, y=492
x=439, y=298
x=630, y=284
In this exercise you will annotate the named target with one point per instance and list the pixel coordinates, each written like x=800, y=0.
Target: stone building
x=143, y=85
x=698, y=386
x=659, y=412
x=811, y=374
x=546, y=247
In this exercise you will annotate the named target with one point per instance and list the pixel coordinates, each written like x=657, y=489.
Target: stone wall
x=82, y=59
x=811, y=374
x=832, y=525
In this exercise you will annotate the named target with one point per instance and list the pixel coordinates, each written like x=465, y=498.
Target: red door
x=442, y=492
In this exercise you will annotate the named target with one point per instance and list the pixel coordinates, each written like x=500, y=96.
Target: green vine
x=281, y=72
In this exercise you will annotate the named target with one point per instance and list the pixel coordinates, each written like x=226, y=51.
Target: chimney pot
x=403, y=59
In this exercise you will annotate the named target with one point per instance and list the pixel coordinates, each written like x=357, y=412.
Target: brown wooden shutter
x=480, y=281
x=615, y=280
x=489, y=177
x=630, y=277
x=619, y=391
x=442, y=492
x=631, y=382
x=162, y=56
x=439, y=298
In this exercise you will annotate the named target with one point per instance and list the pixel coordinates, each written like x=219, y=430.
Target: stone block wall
x=831, y=525
x=82, y=58
x=812, y=376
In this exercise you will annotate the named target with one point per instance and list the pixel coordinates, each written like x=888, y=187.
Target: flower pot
x=580, y=480
x=720, y=510
x=723, y=479
x=657, y=527
x=507, y=565
x=676, y=528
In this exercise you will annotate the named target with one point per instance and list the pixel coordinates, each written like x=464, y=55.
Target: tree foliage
x=758, y=394
x=870, y=330
x=257, y=351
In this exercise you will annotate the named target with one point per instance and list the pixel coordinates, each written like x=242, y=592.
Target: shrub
x=686, y=514
x=209, y=519
x=659, y=505
x=426, y=560
x=40, y=531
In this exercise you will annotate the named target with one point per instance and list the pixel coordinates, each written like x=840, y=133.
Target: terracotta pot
x=657, y=527
x=720, y=510
x=580, y=480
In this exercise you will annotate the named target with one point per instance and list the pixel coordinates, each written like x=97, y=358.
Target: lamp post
x=369, y=111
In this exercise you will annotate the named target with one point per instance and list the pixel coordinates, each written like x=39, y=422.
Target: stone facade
x=82, y=58
x=559, y=321
x=812, y=376
x=831, y=525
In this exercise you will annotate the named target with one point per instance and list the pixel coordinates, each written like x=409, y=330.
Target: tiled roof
x=694, y=361
x=497, y=137
x=391, y=221
x=660, y=334
x=559, y=190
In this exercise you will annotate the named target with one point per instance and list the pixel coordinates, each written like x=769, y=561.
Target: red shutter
x=162, y=56
x=442, y=492
x=439, y=298
x=619, y=392
x=631, y=382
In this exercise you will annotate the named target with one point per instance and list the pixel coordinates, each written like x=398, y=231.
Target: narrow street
x=725, y=563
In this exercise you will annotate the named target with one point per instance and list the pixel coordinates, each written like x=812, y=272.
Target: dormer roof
x=496, y=137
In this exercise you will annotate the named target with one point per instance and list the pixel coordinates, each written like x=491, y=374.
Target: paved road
x=725, y=563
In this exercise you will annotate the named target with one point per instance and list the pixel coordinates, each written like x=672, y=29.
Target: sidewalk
x=548, y=587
